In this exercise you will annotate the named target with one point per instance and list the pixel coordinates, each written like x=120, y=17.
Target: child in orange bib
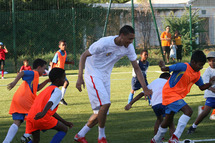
x=177, y=87
x=42, y=115
x=59, y=60
x=24, y=96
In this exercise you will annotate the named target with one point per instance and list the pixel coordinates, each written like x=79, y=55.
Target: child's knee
x=17, y=122
x=189, y=112
x=66, y=84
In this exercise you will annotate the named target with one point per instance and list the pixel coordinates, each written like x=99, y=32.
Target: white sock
x=63, y=90
x=83, y=131
x=194, y=125
x=26, y=135
x=11, y=133
x=160, y=134
x=101, y=133
x=182, y=122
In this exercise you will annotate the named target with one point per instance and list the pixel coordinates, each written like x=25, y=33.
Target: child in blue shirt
x=143, y=64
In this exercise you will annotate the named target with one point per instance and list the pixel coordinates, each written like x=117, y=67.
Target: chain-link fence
x=38, y=30
x=39, y=25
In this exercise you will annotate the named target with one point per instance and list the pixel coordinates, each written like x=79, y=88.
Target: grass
x=135, y=125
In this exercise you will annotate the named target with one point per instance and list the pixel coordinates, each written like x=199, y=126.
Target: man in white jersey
x=99, y=61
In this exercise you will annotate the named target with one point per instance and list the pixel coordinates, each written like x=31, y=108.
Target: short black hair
x=167, y=26
x=127, y=29
x=64, y=41
x=165, y=75
x=56, y=73
x=144, y=50
x=198, y=56
x=38, y=62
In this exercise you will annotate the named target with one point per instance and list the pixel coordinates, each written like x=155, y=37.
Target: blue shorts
x=135, y=84
x=18, y=116
x=159, y=110
x=210, y=102
x=175, y=106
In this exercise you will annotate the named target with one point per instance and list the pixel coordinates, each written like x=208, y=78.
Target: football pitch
x=133, y=126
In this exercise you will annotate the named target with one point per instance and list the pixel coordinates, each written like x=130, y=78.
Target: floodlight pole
x=14, y=33
x=133, y=22
x=191, y=48
x=106, y=21
x=156, y=27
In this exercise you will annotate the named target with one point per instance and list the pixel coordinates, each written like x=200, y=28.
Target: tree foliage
x=182, y=24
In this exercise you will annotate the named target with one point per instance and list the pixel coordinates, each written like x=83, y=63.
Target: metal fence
x=36, y=32
x=32, y=29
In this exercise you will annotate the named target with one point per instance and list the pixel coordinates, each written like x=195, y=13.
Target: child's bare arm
x=43, y=84
x=59, y=118
x=6, y=51
x=18, y=77
x=51, y=65
x=128, y=106
x=162, y=66
x=45, y=110
x=207, y=85
x=212, y=89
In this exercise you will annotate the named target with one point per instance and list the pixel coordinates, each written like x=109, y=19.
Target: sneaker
x=103, y=140
x=80, y=139
x=62, y=101
x=191, y=130
x=212, y=117
x=2, y=77
x=153, y=140
x=25, y=139
x=200, y=109
x=173, y=139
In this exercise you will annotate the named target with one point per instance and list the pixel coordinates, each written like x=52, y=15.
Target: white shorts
x=98, y=91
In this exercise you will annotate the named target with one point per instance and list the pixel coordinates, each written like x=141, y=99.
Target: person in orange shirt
x=178, y=43
x=24, y=96
x=59, y=60
x=165, y=42
x=177, y=87
x=42, y=115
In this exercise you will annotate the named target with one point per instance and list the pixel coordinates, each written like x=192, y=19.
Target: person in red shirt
x=3, y=50
x=25, y=66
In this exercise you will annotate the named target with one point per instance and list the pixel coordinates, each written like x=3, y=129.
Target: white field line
x=195, y=141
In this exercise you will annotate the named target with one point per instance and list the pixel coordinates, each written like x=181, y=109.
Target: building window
x=203, y=11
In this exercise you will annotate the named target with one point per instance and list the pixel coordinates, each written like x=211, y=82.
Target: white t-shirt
x=173, y=51
x=157, y=86
x=105, y=53
x=145, y=66
x=209, y=72
x=55, y=98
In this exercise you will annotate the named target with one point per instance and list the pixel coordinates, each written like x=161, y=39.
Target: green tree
x=182, y=24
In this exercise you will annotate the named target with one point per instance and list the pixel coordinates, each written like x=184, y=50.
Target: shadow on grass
x=195, y=95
